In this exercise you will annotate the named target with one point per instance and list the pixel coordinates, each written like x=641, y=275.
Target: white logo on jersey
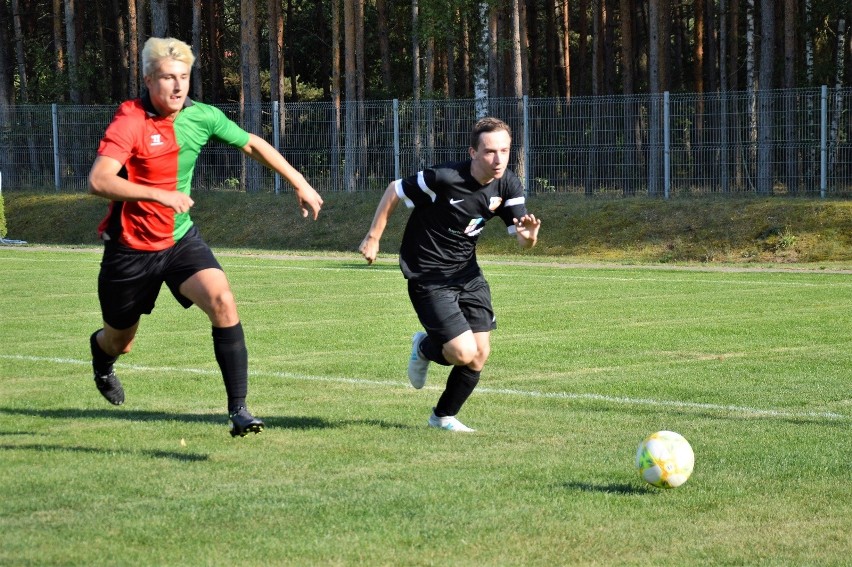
x=455, y=201
x=155, y=140
x=494, y=203
x=473, y=227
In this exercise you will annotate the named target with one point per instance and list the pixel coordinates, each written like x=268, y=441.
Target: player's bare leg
x=209, y=290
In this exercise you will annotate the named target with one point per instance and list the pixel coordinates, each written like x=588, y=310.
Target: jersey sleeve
x=514, y=204
x=226, y=130
x=417, y=190
x=119, y=139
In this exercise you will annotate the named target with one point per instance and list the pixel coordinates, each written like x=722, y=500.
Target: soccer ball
x=665, y=459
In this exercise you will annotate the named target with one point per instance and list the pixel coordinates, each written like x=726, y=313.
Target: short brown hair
x=485, y=125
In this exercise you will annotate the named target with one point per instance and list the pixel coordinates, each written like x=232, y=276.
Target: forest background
x=75, y=52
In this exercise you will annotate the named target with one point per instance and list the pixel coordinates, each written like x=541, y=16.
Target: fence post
x=54, y=111
x=823, y=141
x=396, y=174
x=276, y=132
x=667, y=146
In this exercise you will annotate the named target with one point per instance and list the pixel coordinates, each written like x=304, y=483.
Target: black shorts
x=448, y=309
x=130, y=280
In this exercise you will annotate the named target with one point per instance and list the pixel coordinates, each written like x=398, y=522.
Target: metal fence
x=790, y=142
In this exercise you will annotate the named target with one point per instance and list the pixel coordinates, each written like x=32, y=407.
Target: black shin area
x=101, y=361
x=460, y=385
x=229, y=346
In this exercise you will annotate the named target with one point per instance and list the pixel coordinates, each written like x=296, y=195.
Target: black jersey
x=450, y=211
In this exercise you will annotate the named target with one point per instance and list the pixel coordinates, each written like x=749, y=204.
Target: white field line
x=615, y=400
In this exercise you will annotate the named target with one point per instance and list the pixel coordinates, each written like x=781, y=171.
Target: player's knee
x=461, y=355
x=223, y=307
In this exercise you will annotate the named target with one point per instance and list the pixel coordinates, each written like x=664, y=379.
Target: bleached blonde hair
x=158, y=48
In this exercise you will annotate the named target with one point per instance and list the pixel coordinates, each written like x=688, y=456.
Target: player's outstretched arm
x=261, y=151
x=527, y=230
x=369, y=247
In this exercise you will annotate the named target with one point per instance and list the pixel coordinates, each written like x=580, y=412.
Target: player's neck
x=482, y=177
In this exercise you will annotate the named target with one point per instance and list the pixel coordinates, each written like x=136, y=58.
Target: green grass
x=752, y=367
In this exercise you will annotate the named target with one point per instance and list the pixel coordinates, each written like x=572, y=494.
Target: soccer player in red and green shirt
x=144, y=167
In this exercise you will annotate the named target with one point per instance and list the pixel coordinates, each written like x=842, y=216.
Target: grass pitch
x=752, y=367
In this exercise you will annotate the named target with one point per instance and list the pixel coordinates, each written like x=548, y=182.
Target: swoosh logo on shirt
x=455, y=201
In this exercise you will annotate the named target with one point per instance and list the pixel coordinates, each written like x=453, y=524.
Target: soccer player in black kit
x=451, y=204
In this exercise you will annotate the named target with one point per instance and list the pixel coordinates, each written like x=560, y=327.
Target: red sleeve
x=119, y=140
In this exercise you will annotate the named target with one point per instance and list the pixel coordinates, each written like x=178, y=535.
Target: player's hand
x=369, y=248
x=527, y=227
x=175, y=200
x=309, y=199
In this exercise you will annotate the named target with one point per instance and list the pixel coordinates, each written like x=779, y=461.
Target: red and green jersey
x=160, y=153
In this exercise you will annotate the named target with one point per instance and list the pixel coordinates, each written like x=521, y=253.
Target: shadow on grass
x=380, y=423
x=610, y=488
x=46, y=448
x=293, y=422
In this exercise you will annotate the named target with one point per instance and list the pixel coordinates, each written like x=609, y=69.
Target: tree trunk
x=517, y=63
x=384, y=45
x=711, y=47
x=628, y=80
x=792, y=159
x=335, y=94
x=360, y=49
x=811, y=168
x=214, y=18
x=7, y=101
x=751, y=87
x=197, y=76
x=482, y=61
x=276, y=50
x=583, y=46
x=724, y=155
x=518, y=82
x=429, y=92
x=288, y=39
x=58, y=42
x=837, y=110
x=450, y=91
x=160, y=18
x=349, y=160
x=493, y=53
x=551, y=47
x=23, y=84
x=250, y=87
x=655, y=99
x=765, y=84
x=139, y=39
x=598, y=18
x=566, y=45
x=698, y=79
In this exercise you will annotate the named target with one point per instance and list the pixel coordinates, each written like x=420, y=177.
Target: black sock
x=460, y=385
x=101, y=361
x=433, y=351
x=229, y=346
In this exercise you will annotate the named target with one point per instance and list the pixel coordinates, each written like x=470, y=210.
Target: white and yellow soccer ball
x=665, y=459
